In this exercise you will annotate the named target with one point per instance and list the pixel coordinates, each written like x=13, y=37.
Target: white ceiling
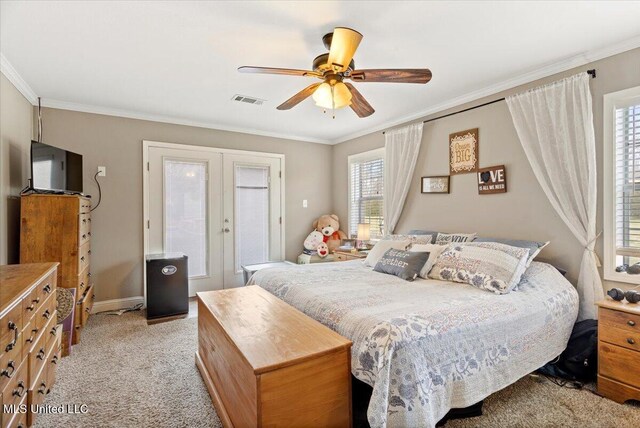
x=177, y=61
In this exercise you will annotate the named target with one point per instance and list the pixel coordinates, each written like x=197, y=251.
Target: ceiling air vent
x=248, y=100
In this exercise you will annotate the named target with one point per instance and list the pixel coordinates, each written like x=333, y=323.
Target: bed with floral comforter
x=428, y=346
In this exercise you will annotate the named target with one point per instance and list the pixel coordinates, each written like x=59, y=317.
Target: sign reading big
x=463, y=152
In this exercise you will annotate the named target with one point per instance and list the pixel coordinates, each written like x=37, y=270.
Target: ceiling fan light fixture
x=332, y=96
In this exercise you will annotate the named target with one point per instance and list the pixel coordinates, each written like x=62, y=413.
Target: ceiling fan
x=333, y=68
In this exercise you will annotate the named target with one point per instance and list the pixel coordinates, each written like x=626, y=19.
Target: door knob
x=227, y=230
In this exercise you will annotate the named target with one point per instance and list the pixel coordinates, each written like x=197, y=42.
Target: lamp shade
x=364, y=232
x=337, y=98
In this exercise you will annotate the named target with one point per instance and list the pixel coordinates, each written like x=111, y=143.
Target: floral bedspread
x=428, y=346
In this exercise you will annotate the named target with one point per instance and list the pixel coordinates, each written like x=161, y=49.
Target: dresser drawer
x=84, y=205
x=621, y=337
x=30, y=305
x=45, y=313
x=10, y=327
x=84, y=229
x=38, y=353
x=619, y=364
x=19, y=419
x=84, y=253
x=36, y=395
x=9, y=363
x=14, y=391
x=83, y=283
x=619, y=319
x=341, y=257
x=86, y=306
x=52, y=367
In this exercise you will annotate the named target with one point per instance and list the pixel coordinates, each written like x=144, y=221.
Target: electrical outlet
x=102, y=171
x=304, y=203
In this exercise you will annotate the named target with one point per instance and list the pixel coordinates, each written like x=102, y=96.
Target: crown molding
x=540, y=73
x=21, y=85
x=130, y=114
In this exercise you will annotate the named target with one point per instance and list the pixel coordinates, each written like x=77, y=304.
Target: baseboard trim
x=115, y=304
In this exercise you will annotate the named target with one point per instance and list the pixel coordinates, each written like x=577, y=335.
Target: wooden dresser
x=57, y=228
x=29, y=339
x=619, y=350
x=267, y=364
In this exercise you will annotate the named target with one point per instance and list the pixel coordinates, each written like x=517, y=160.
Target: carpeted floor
x=133, y=375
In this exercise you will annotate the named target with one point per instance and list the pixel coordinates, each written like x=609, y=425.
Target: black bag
x=579, y=361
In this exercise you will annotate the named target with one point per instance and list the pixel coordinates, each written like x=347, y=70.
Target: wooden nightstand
x=342, y=256
x=619, y=350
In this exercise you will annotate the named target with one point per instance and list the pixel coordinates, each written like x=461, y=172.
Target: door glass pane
x=251, y=214
x=185, y=222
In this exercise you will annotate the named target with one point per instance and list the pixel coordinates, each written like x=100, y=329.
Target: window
x=622, y=183
x=366, y=183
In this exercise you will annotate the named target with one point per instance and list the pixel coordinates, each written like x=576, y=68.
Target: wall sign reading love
x=492, y=180
x=463, y=152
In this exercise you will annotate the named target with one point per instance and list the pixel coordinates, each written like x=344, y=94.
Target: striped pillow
x=487, y=265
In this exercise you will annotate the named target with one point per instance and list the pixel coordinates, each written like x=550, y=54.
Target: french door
x=222, y=209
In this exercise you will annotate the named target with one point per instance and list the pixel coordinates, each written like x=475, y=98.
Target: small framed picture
x=437, y=184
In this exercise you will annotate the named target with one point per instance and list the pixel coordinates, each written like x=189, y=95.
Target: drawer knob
x=32, y=307
x=40, y=355
x=631, y=323
x=36, y=300
x=53, y=331
x=19, y=391
x=82, y=258
x=14, y=327
x=46, y=314
x=43, y=388
x=54, y=360
x=47, y=288
x=630, y=341
x=84, y=236
x=6, y=372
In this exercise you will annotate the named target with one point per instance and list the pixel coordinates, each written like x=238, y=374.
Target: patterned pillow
x=534, y=246
x=448, y=238
x=486, y=265
x=434, y=252
x=403, y=264
x=415, y=239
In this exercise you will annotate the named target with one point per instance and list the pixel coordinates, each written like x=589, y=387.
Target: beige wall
x=115, y=142
x=524, y=211
x=15, y=144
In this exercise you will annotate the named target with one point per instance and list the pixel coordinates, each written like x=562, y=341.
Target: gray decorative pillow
x=403, y=264
x=486, y=265
x=449, y=238
x=534, y=247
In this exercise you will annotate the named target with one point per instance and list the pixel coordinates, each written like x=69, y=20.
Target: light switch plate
x=304, y=203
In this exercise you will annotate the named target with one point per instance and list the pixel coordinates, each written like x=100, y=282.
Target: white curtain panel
x=555, y=126
x=401, y=148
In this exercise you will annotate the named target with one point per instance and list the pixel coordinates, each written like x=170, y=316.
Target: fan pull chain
x=333, y=102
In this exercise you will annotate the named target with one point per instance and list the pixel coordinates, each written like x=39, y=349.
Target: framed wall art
x=463, y=152
x=492, y=180
x=437, y=184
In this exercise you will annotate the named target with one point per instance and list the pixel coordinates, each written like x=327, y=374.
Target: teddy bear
x=328, y=226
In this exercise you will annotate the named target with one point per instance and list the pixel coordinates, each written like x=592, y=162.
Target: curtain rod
x=591, y=73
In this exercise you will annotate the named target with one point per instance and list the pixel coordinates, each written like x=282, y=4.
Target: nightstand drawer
x=341, y=257
x=619, y=319
x=619, y=364
x=620, y=337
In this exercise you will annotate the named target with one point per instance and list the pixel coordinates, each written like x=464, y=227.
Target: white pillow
x=434, y=252
x=415, y=239
x=381, y=247
x=449, y=238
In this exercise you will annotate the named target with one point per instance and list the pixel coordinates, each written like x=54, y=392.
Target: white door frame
x=146, y=144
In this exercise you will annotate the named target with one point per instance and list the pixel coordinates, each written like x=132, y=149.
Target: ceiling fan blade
x=272, y=70
x=358, y=104
x=399, y=75
x=300, y=96
x=344, y=43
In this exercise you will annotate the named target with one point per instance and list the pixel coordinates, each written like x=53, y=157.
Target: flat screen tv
x=55, y=169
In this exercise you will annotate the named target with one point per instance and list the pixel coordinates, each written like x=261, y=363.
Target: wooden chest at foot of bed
x=619, y=350
x=267, y=364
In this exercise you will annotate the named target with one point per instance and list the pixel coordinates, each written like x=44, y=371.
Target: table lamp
x=364, y=234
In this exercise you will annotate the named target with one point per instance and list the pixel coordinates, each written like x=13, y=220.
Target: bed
x=428, y=346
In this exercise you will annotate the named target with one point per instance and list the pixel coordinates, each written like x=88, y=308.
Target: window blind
x=627, y=179
x=365, y=195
